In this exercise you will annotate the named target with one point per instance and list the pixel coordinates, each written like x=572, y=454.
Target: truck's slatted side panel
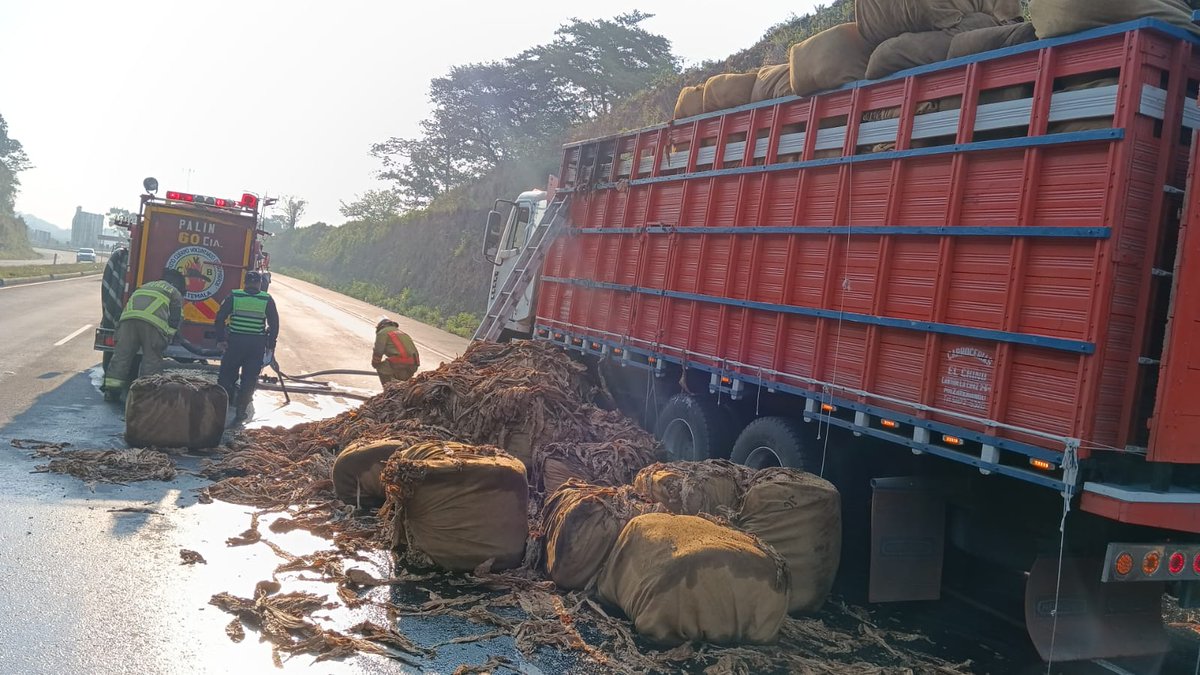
x=975, y=278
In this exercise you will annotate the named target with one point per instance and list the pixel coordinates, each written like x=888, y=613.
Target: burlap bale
x=356, y=471
x=713, y=486
x=772, y=82
x=728, y=90
x=828, y=59
x=613, y=463
x=910, y=50
x=581, y=524
x=1061, y=17
x=800, y=515
x=982, y=40
x=685, y=578
x=456, y=506
x=690, y=102
x=880, y=20
x=174, y=411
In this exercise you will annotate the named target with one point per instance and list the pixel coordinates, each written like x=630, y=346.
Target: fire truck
x=212, y=241
x=968, y=294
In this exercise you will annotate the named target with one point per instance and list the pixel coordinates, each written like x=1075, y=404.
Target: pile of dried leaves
x=488, y=396
x=101, y=466
x=494, y=395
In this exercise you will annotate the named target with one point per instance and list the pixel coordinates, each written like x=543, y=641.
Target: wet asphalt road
x=94, y=589
x=90, y=588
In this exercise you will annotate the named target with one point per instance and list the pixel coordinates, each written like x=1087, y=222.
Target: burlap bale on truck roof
x=728, y=90
x=800, y=515
x=772, y=82
x=690, y=102
x=685, y=578
x=581, y=524
x=457, y=506
x=910, y=50
x=357, y=470
x=880, y=20
x=1052, y=18
x=828, y=60
x=982, y=40
x=712, y=486
x=175, y=411
x=612, y=463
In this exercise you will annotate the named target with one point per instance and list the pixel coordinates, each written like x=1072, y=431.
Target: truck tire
x=694, y=429
x=774, y=441
x=112, y=288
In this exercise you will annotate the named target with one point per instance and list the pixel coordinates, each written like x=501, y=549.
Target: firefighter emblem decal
x=202, y=270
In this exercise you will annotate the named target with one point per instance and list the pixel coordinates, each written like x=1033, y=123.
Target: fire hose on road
x=310, y=387
x=278, y=383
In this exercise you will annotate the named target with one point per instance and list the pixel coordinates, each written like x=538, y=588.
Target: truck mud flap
x=908, y=523
x=1095, y=620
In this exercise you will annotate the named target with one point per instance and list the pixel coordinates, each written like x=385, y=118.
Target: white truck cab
x=506, y=234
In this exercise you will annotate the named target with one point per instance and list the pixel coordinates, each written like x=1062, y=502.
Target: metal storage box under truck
x=212, y=241
x=968, y=294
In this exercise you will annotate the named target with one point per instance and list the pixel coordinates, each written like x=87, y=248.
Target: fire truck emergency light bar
x=248, y=201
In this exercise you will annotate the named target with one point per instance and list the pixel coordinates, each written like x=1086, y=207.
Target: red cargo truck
x=982, y=275
x=212, y=241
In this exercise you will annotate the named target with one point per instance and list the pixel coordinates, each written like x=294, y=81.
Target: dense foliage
x=14, y=241
x=495, y=131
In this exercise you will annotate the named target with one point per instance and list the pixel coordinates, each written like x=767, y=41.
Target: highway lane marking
x=72, y=335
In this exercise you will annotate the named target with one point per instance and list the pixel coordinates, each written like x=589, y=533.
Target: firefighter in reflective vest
x=253, y=328
x=395, y=357
x=148, y=324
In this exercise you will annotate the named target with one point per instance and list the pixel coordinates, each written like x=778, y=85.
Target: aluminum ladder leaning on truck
x=990, y=297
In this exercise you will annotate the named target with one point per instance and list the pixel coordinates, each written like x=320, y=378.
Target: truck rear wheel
x=774, y=441
x=694, y=429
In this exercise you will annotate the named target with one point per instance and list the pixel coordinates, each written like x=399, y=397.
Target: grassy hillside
x=14, y=242
x=425, y=264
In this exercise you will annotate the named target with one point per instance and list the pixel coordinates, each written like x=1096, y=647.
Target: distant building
x=86, y=228
x=38, y=237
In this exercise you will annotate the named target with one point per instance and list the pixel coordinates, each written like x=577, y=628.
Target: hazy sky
x=265, y=95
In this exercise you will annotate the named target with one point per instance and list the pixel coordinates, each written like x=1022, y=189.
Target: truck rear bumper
x=105, y=341
x=1176, y=509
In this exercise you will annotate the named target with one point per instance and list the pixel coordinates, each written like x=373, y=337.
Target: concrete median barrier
x=17, y=281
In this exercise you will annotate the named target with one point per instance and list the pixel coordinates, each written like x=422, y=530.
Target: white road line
x=72, y=335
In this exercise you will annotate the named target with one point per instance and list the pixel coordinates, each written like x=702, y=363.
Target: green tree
x=373, y=206
x=274, y=224
x=14, y=236
x=117, y=213
x=485, y=114
x=293, y=211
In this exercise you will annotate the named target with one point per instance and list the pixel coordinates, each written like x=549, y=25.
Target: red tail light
x=224, y=202
x=249, y=201
x=1176, y=562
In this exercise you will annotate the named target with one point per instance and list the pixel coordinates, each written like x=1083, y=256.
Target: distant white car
x=85, y=255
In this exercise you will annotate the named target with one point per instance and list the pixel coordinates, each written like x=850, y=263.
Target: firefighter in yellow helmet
x=395, y=357
x=148, y=324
